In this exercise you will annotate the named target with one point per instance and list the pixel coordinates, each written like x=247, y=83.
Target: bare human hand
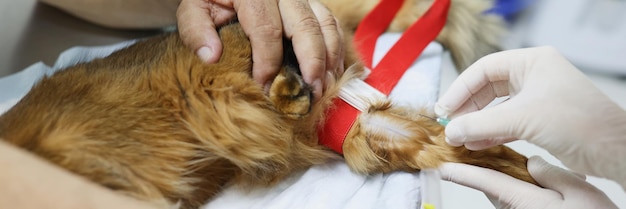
x=316, y=36
x=29, y=182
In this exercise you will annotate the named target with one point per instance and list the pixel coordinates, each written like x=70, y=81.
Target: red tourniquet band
x=392, y=66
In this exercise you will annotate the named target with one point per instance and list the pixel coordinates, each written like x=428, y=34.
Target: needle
x=442, y=121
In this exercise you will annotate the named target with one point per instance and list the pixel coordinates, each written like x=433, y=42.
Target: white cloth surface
x=327, y=186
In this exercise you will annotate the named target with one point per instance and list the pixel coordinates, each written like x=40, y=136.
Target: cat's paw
x=290, y=94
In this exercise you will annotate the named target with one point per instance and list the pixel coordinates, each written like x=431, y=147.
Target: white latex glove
x=552, y=104
x=562, y=189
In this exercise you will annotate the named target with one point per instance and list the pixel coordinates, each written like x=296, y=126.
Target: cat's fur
x=152, y=121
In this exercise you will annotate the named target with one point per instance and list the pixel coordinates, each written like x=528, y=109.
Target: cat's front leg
x=389, y=138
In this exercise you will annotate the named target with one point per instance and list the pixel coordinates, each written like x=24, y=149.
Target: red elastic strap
x=372, y=26
x=392, y=66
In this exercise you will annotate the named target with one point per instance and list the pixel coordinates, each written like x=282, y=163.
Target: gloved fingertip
x=453, y=143
x=454, y=135
x=441, y=111
x=478, y=145
x=448, y=171
x=536, y=161
x=538, y=168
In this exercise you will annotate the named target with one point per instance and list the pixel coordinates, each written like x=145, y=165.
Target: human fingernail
x=267, y=86
x=341, y=68
x=318, y=88
x=330, y=78
x=441, y=111
x=205, y=53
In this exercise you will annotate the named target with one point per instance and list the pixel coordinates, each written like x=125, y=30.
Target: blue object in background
x=509, y=8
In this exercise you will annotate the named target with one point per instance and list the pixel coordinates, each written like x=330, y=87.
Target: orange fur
x=152, y=121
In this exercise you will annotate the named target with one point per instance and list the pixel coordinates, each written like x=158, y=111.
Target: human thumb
x=573, y=189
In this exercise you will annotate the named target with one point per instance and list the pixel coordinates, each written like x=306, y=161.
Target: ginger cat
x=153, y=122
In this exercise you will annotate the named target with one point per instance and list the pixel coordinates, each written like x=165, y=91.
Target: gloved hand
x=563, y=189
x=552, y=104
